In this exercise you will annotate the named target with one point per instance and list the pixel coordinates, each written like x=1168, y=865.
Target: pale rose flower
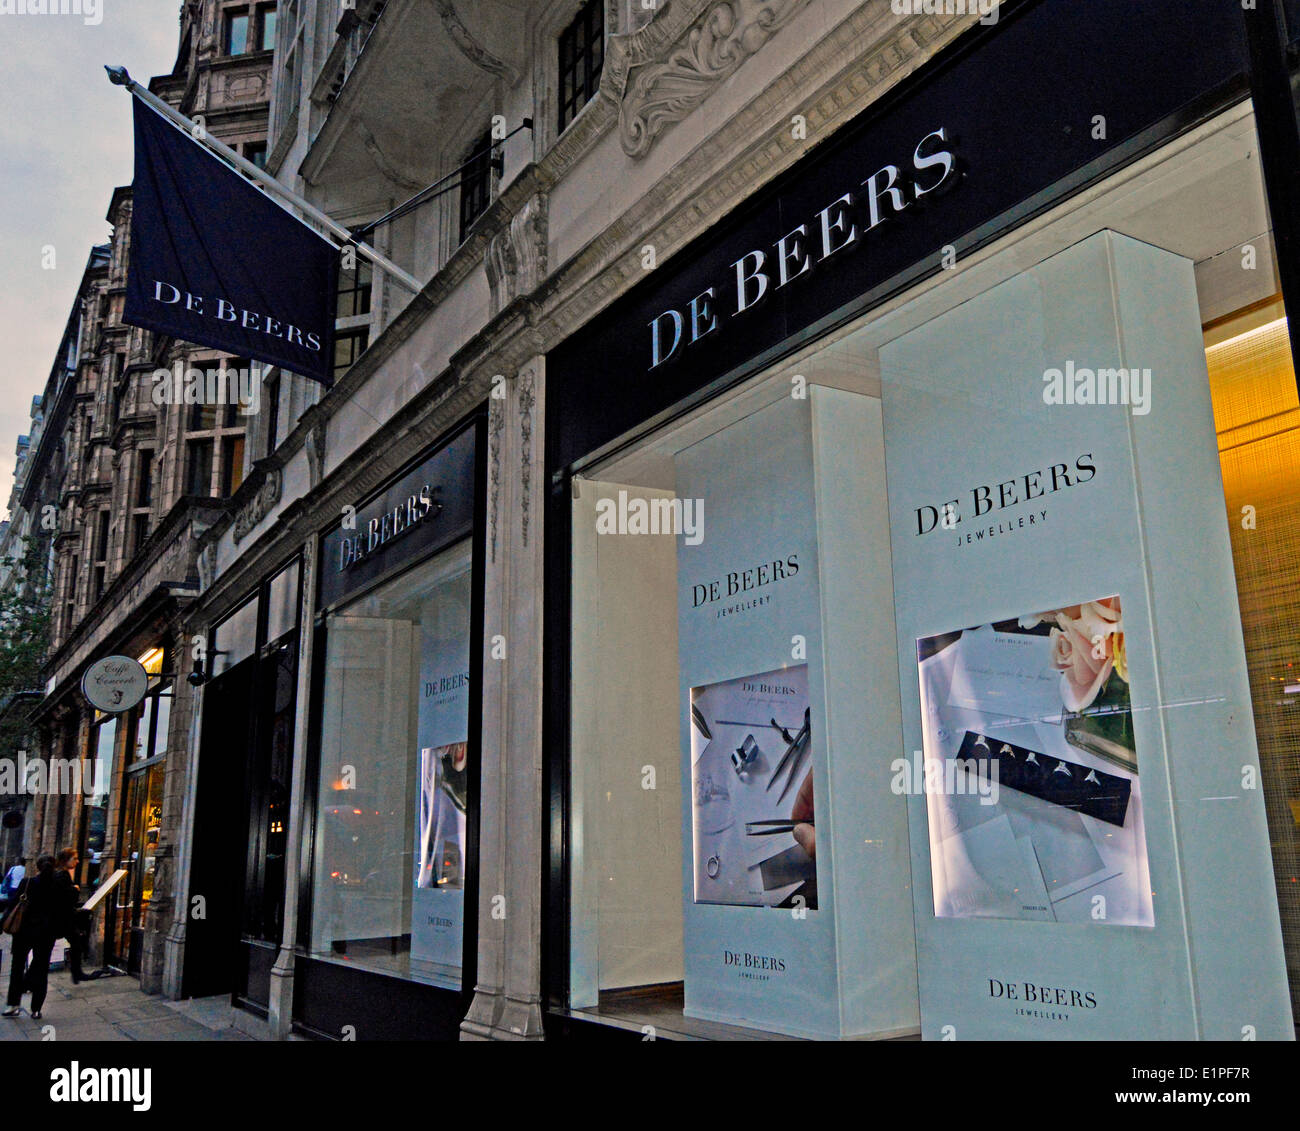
x=1073, y=655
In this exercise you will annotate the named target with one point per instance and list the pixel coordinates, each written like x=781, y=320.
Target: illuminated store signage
x=428, y=507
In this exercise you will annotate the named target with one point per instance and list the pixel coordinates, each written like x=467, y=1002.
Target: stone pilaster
x=508, y=997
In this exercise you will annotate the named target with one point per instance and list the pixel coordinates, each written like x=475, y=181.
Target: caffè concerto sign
x=115, y=684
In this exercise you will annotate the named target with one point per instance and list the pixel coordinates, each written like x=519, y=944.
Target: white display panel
x=438, y=901
x=789, y=714
x=1008, y=499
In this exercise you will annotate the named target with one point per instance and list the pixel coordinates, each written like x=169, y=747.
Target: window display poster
x=758, y=930
x=752, y=791
x=437, y=906
x=1034, y=716
x=1066, y=614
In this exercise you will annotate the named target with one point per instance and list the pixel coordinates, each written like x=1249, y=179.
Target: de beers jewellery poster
x=437, y=906
x=1076, y=713
x=1035, y=714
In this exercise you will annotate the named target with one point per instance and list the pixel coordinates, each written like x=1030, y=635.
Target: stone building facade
x=131, y=476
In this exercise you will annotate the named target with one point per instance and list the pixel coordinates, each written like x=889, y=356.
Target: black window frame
x=475, y=183
x=229, y=18
x=355, y=334
x=581, y=55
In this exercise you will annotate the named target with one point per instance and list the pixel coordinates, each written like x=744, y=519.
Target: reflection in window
x=393, y=797
x=348, y=346
x=236, y=38
x=234, y=639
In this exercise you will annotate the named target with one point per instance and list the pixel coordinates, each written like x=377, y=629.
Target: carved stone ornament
x=661, y=93
x=527, y=405
x=496, y=428
x=315, y=448
x=470, y=47
x=515, y=260
x=207, y=567
x=259, y=506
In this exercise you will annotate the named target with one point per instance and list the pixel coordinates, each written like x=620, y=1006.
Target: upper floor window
x=582, y=54
x=475, y=183
x=249, y=29
x=354, y=290
x=348, y=346
x=266, y=27
x=215, y=429
x=236, y=33
x=255, y=151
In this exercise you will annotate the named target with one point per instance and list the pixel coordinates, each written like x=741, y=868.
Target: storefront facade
x=345, y=685
x=589, y=648
x=923, y=492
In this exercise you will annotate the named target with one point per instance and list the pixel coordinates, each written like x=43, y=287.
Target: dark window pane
x=348, y=346
x=475, y=183
x=203, y=417
x=198, y=477
x=271, y=395
x=354, y=290
x=582, y=55
x=144, y=482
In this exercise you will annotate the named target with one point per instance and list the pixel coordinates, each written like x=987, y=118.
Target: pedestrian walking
x=12, y=881
x=48, y=904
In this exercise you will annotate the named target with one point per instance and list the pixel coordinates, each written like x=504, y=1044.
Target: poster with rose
x=1031, y=772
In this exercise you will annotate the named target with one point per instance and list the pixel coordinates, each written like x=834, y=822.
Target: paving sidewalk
x=114, y=1009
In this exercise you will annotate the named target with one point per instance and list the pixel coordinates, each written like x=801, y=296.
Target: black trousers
x=34, y=977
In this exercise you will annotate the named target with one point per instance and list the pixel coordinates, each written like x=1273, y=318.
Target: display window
x=950, y=632
x=103, y=749
x=393, y=795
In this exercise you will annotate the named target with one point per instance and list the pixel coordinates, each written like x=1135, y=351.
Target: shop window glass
x=141, y=822
x=1012, y=637
x=282, y=603
x=389, y=865
x=1257, y=418
x=234, y=639
x=143, y=728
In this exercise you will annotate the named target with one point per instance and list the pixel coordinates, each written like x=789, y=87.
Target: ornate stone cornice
x=662, y=92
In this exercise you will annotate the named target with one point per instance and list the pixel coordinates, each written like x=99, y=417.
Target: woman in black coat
x=51, y=900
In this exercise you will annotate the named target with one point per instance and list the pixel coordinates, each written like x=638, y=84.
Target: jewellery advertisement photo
x=437, y=901
x=752, y=790
x=1050, y=828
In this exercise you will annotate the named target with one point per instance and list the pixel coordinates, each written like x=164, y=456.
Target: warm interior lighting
x=152, y=661
x=1257, y=421
x=1273, y=327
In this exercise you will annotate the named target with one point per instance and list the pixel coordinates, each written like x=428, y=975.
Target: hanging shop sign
x=115, y=684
